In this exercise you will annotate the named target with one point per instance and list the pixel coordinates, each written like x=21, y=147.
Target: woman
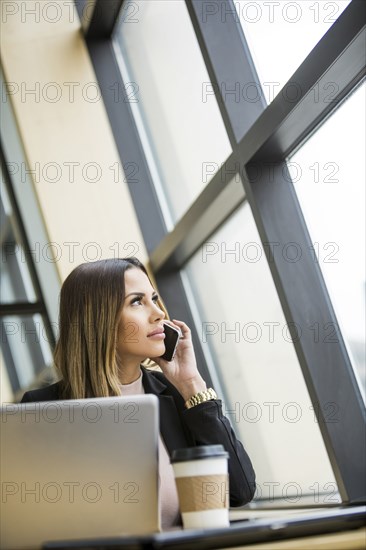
x=111, y=320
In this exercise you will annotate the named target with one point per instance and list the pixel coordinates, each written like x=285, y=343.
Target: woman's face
x=140, y=331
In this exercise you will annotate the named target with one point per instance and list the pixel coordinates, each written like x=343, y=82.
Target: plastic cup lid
x=199, y=452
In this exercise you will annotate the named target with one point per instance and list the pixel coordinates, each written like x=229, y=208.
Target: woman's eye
x=139, y=301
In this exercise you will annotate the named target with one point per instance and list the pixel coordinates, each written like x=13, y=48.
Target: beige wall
x=61, y=118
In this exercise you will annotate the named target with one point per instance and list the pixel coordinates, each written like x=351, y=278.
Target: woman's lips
x=157, y=335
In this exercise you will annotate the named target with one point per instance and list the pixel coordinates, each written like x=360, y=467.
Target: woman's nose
x=158, y=311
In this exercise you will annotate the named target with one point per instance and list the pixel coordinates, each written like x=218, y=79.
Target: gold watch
x=200, y=397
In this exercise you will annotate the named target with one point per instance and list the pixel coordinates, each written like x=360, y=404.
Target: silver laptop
x=78, y=469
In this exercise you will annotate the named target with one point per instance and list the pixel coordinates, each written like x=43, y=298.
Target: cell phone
x=171, y=340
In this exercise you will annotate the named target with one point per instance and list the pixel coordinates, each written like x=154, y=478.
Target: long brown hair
x=90, y=304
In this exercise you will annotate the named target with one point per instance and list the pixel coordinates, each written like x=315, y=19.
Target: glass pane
x=6, y=390
x=15, y=281
x=243, y=328
x=329, y=177
x=25, y=348
x=281, y=34
x=183, y=135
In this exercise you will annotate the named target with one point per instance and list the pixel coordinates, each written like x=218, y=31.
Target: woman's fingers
x=183, y=327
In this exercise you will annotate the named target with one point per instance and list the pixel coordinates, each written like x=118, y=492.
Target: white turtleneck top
x=169, y=504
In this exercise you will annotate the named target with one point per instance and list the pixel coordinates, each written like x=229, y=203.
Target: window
x=281, y=34
x=328, y=172
x=16, y=283
x=167, y=125
x=27, y=345
x=168, y=88
x=29, y=283
x=242, y=326
x=26, y=341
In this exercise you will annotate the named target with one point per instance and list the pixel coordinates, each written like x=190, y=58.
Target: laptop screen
x=78, y=468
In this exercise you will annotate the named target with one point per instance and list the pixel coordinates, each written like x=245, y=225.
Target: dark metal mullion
x=193, y=10
x=22, y=308
x=131, y=152
x=135, y=168
x=143, y=193
x=321, y=82
x=27, y=251
x=178, y=307
x=165, y=254
x=81, y=8
x=5, y=225
x=347, y=71
x=226, y=61
x=6, y=231
x=100, y=22
x=312, y=322
x=229, y=64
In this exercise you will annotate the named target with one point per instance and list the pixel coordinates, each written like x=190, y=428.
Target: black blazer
x=203, y=424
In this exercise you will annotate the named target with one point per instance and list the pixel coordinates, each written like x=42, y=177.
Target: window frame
x=22, y=307
x=259, y=135
x=43, y=274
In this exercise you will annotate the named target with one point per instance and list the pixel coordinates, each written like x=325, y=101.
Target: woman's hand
x=182, y=371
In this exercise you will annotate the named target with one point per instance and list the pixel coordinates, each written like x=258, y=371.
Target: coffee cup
x=201, y=476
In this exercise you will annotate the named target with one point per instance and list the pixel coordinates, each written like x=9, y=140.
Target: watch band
x=200, y=397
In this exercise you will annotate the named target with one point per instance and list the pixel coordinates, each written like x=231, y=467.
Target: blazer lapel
x=171, y=428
